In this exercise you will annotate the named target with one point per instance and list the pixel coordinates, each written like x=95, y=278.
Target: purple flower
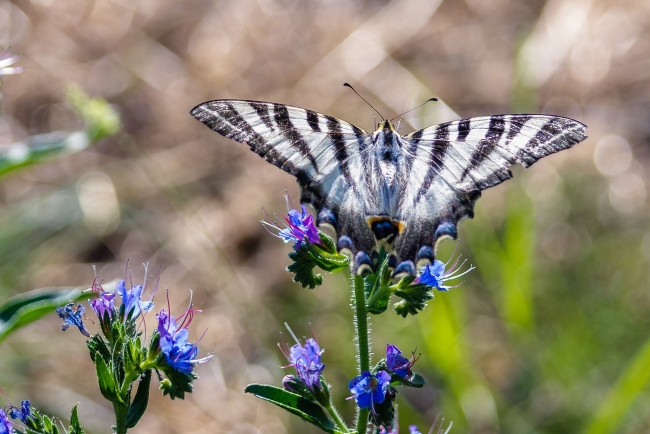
x=435, y=274
x=101, y=301
x=21, y=414
x=306, y=360
x=71, y=315
x=179, y=353
x=369, y=389
x=413, y=429
x=397, y=363
x=5, y=424
x=294, y=227
x=6, y=60
x=132, y=300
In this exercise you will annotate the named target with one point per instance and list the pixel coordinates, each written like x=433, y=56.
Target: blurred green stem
x=619, y=399
x=361, y=321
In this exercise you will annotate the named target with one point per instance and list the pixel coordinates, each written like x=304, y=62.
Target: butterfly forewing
x=325, y=154
x=382, y=188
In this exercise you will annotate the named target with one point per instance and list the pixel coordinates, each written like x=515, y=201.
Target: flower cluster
x=376, y=389
x=23, y=414
x=179, y=353
x=306, y=359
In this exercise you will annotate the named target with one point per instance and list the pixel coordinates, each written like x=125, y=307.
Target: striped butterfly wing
x=382, y=188
x=325, y=154
x=448, y=165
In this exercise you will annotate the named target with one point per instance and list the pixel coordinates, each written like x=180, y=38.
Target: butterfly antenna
x=364, y=100
x=416, y=107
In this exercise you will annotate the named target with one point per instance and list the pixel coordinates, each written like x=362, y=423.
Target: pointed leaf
x=377, y=287
x=75, y=426
x=307, y=410
x=106, y=382
x=40, y=147
x=28, y=307
x=23, y=309
x=140, y=402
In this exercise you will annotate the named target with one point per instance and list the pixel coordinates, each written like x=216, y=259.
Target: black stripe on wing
x=277, y=132
x=481, y=150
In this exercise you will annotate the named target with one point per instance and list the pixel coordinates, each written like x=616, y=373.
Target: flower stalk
x=361, y=321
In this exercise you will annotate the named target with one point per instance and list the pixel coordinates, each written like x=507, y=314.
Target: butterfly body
x=382, y=189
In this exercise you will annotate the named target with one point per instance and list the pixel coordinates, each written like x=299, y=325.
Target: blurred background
x=549, y=335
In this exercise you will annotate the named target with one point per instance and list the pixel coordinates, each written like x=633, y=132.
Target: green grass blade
x=630, y=384
x=26, y=308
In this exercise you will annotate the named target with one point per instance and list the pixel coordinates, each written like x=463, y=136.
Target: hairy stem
x=361, y=321
x=337, y=417
x=120, y=417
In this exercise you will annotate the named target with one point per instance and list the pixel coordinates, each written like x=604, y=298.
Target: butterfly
x=384, y=190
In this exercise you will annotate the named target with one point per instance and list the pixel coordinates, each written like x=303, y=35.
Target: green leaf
x=416, y=381
x=106, y=382
x=177, y=383
x=414, y=296
x=303, y=268
x=28, y=307
x=377, y=286
x=41, y=147
x=140, y=402
x=307, y=410
x=310, y=256
x=40, y=424
x=97, y=345
x=75, y=426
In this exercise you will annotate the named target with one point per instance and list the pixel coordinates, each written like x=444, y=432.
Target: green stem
x=337, y=418
x=120, y=417
x=361, y=321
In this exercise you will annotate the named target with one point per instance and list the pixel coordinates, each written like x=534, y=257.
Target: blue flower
x=71, y=315
x=6, y=60
x=21, y=414
x=179, y=353
x=306, y=360
x=397, y=363
x=5, y=424
x=132, y=300
x=437, y=274
x=369, y=389
x=294, y=227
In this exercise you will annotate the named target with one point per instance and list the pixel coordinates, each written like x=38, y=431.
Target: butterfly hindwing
x=453, y=162
x=382, y=188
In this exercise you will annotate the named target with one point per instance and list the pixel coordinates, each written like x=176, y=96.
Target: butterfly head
x=385, y=126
